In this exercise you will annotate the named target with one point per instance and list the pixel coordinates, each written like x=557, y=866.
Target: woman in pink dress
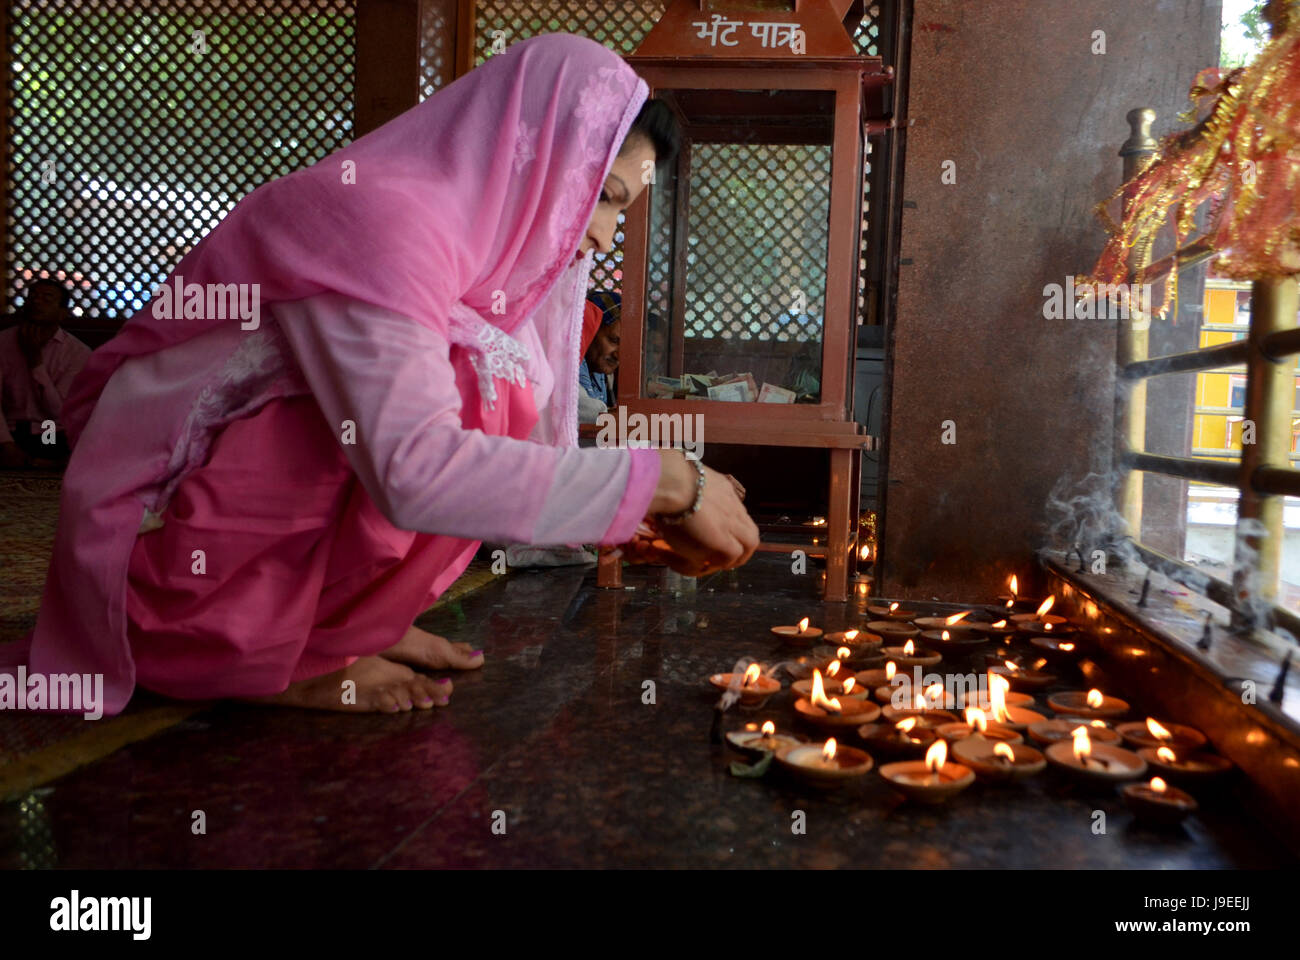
x=368, y=367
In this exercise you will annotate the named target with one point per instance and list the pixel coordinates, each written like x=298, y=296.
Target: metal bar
x=1131, y=341
x=1189, y=256
x=1225, y=354
x=1278, y=481
x=1206, y=471
x=1270, y=399
x=1284, y=343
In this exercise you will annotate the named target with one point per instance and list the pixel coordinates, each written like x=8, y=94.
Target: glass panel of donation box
x=737, y=249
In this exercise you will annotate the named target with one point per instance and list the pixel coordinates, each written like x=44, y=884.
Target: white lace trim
x=492, y=352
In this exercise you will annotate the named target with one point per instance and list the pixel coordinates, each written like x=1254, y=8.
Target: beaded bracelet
x=686, y=514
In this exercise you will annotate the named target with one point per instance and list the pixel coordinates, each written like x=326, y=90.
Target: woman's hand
x=718, y=536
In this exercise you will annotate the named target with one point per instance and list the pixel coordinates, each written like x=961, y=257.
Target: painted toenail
x=476, y=653
x=444, y=701
x=444, y=680
x=426, y=701
x=394, y=708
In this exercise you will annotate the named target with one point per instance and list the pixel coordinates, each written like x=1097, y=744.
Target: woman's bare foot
x=381, y=686
x=428, y=651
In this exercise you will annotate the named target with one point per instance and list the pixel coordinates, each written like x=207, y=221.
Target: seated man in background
x=601, y=324
x=38, y=362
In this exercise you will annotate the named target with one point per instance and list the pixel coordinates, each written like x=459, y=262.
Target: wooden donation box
x=741, y=265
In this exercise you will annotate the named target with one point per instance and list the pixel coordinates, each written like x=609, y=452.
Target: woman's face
x=602, y=355
x=622, y=186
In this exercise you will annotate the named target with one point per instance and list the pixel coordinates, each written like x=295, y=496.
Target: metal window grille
x=1263, y=477
x=136, y=126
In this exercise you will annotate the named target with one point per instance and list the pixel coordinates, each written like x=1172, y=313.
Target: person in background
x=38, y=362
x=601, y=325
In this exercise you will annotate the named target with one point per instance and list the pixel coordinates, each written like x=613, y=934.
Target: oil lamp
x=1157, y=803
x=1091, y=704
x=1154, y=734
x=753, y=687
x=893, y=630
x=1186, y=767
x=1017, y=718
x=891, y=612
x=953, y=623
x=906, y=738
x=1022, y=678
x=1094, y=761
x=977, y=725
x=932, y=780
x=998, y=761
x=832, y=712
x=800, y=634
x=757, y=741
x=910, y=655
x=1002, y=628
x=1062, y=728
x=955, y=638
x=827, y=765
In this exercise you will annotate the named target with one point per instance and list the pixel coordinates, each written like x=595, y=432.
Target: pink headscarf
x=476, y=198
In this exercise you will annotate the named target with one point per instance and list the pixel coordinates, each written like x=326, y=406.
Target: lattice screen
x=437, y=46
x=136, y=126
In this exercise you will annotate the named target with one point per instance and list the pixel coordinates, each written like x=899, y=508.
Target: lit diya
x=1041, y=615
x=858, y=640
x=891, y=612
x=1153, y=733
x=1090, y=704
x=895, y=630
x=874, y=678
x=1013, y=601
x=832, y=712
x=1023, y=678
x=827, y=765
x=923, y=709
x=830, y=682
x=1157, y=803
x=1017, y=718
x=753, y=687
x=999, y=628
x=1062, y=728
x=757, y=741
x=1185, y=766
x=954, y=638
x=998, y=761
x=1095, y=761
x=910, y=655
x=800, y=634
x=908, y=737
x=1065, y=647
x=932, y=780
x=977, y=725
x=957, y=622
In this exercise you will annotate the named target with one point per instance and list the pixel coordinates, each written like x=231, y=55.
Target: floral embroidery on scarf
x=525, y=146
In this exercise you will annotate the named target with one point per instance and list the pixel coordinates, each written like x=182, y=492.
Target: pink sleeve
x=641, y=483
x=393, y=378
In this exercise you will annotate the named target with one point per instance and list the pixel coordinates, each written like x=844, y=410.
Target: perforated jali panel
x=136, y=126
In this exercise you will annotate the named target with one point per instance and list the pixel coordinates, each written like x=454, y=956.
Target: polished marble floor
x=553, y=741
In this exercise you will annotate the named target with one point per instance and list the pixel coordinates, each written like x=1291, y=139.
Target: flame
x=843, y=653
x=818, y=698
x=1158, y=785
x=920, y=702
x=976, y=719
x=1011, y=667
x=803, y=625
x=1067, y=647
x=909, y=648
x=1082, y=745
x=998, y=687
x=769, y=728
x=890, y=670
x=1039, y=663
x=864, y=552
x=936, y=755
x=832, y=668
x=1015, y=585
x=893, y=607
x=1047, y=628
x=1002, y=750
x=944, y=636
x=1000, y=624
x=850, y=635
x=849, y=684
x=1157, y=731
x=828, y=751
x=934, y=693
x=906, y=724
x=819, y=521
x=1097, y=723
x=1095, y=698
x=956, y=617
x=1046, y=605
x=753, y=673
x=1167, y=755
